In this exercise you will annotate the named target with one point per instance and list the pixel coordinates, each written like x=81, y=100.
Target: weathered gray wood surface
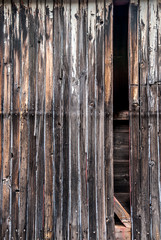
x=56, y=119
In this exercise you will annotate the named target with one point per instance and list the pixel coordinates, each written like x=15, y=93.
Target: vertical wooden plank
x=66, y=65
x=58, y=121
x=24, y=119
x=135, y=162
x=1, y=102
x=83, y=118
x=108, y=119
x=74, y=121
x=48, y=231
x=144, y=177
x=100, y=120
x=40, y=133
x=1, y=50
x=159, y=90
x=91, y=120
x=32, y=139
x=16, y=116
x=6, y=218
x=153, y=122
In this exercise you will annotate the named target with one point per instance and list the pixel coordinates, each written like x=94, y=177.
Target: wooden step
x=122, y=233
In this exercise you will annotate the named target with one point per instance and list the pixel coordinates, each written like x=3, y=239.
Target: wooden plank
x=135, y=189
x=74, y=123
x=153, y=122
x=108, y=119
x=66, y=68
x=83, y=117
x=121, y=139
x=40, y=134
x=99, y=139
x=16, y=117
x=122, y=233
x=92, y=177
x=6, y=218
x=58, y=124
x=159, y=88
x=24, y=119
x=48, y=190
x=1, y=106
x=32, y=142
x=144, y=173
x=122, y=213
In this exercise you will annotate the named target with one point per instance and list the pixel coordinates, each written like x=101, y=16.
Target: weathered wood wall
x=56, y=119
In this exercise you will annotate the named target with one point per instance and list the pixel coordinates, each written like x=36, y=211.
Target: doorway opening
x=121, y=111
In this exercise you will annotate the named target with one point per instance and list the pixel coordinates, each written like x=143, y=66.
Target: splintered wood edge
x=122, y=213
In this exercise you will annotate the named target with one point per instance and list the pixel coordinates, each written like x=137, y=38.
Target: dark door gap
x=121, y=105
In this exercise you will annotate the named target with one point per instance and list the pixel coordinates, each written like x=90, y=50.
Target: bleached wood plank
x=74, y=122
x=83, y=117
x=48, y=124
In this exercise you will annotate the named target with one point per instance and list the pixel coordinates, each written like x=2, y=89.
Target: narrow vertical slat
x=135, y=162
x=83, y=117
x=48, y=191
x=58, y=125
x=144, y=177
x=24, y=119
x=16, y=116
x=40, y=134
x=159, y=89
x=91, y=120
x=6, y=218
x=108, y=119
x=66, y=64
x=32, y=139
x=100, y=120
x=74, y=120
x=1, y=102
x=153, y=122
